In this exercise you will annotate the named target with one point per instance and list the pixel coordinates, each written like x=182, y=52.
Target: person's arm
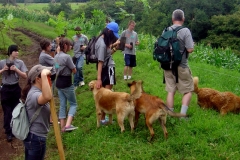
x=190, y=50
x=137, y=42
x=189, y=44
x=99, y=73
x=18, y=71
x=46, y=95
x=74, y=70
x=113, y=50
x=4, y=69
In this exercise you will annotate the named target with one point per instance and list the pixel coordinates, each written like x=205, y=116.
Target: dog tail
x=173, y=114
x=195, y=81
x=137, y=92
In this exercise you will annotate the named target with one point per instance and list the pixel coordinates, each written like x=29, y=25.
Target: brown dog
x=153, y=108
x=111, y=102
x=222, y=102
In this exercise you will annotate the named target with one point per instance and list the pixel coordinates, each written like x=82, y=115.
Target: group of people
x=59, y=65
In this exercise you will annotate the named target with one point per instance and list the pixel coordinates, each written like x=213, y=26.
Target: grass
x=206, y=135
x=40, y=6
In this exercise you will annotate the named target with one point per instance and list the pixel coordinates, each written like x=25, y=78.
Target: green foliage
x=6, y=26
x=224, y=58
x=60, y=24
x=225, y=32
x=25, y=14
x=64, y=6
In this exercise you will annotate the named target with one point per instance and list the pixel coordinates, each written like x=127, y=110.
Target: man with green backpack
x=172, y=50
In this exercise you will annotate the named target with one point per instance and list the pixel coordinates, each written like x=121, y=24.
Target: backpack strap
x=35, y=115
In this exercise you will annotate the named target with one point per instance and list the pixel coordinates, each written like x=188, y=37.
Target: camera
x=131, y=43
x=81, y=50
x=9, y=64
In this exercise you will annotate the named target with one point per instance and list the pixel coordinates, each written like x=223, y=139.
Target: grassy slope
x=206, y=135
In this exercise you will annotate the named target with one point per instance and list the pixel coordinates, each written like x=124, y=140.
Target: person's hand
x=5, y=68
x=83, y=47
x=99, y=83
x=45, y=72
x=129, y=46
x=58, y=49
x=13, y=68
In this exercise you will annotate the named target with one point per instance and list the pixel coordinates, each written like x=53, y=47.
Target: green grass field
x=205, y=135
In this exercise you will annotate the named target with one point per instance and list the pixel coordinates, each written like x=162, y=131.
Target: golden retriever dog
x=222, y=102
x=111, y=102
x=154, y=108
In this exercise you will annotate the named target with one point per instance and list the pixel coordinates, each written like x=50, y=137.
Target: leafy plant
x=60, y=24
x=6, y=25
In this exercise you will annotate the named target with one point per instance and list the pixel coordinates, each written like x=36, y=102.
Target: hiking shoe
x=9, y=137
x=82, y=83
x=70, y=128
x=104, y=122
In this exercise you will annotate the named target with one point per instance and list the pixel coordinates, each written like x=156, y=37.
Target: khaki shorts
x=185, y=81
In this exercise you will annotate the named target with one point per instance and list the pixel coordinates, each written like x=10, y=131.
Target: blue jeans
x=78, y=76
x=35, y=147
x=67, y=94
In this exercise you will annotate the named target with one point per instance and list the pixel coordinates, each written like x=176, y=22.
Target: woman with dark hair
x=37, y=93
x=46, y=59
x=11, y=69
x=65, y=67
x=106, y=65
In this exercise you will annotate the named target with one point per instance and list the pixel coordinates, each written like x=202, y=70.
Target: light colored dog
x=153, y=108
x=111, y=102
x=222, y=102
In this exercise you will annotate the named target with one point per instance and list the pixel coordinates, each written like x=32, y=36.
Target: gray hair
x=178, y=15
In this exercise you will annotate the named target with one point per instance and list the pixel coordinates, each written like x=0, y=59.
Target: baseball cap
x=113, y=26
x=35, y=71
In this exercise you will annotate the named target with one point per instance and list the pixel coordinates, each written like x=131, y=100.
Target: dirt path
x=10, y=150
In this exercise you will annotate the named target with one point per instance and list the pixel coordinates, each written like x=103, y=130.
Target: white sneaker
x=129, y=77
x=125, y=77
x=82, y=83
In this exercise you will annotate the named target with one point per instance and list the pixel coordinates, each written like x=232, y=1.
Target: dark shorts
x=108, y=76
x=130, y=60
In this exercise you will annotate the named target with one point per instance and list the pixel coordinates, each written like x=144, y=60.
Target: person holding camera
x=37, y=93
x=80, y=42
x=11, y=70
x=129, y=51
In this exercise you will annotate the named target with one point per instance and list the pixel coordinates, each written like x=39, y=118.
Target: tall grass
x=218, y=57
x=40, y=6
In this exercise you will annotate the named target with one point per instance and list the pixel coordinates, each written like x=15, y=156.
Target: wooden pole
x=56, y=128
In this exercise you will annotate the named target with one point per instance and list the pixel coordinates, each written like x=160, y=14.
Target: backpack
x=90, y=51
x=20, y=123
x=166, y=50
